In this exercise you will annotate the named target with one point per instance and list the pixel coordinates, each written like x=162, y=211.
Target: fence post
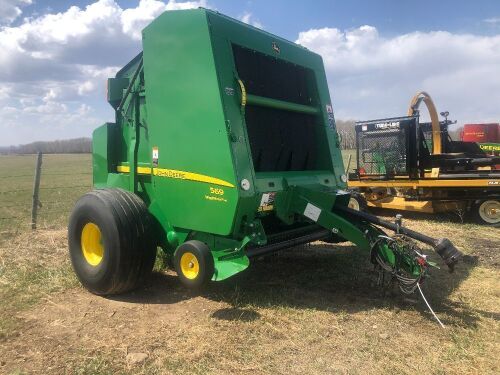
x=36, y=189
x=348, y=166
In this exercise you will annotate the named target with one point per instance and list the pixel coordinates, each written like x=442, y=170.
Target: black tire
x=202, y=260
x=487, y=212
x=357, y=202
x=128, y=249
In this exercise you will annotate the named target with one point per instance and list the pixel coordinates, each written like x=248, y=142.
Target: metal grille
x=383, y=152
x=428, y=139
x=426, y=128
x=279, y=140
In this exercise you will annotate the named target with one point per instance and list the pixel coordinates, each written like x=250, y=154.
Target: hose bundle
x=405, y=253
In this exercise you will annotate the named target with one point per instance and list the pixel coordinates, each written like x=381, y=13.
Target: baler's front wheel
x=110, y=241
x=194, y=263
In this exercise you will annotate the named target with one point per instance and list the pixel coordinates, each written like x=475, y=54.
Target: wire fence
x=62, y=180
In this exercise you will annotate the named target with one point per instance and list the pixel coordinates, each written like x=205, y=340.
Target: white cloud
x=53, y=68
x=371, y=76
x=248, y=18
x=51, y=94
x=10, y=10
x=493, y=20
x=4, y=92
x=135, y=19
x=86, y=87
x=49, y=108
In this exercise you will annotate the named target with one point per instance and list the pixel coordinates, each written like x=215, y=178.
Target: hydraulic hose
x=443, y=246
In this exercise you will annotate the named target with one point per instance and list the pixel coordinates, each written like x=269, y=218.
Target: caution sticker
x=267, y=202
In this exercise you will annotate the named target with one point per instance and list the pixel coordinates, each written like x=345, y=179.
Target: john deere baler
x=224, y=147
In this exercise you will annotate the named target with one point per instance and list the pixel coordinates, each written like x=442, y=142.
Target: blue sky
x=377, y=54
x=391, y=17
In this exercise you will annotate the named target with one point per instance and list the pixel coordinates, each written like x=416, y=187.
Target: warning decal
x=155, y=156
x=267, y=202
x=312, y=212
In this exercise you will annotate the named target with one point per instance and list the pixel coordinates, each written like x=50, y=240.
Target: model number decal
x=216, y=191
x=216, y=195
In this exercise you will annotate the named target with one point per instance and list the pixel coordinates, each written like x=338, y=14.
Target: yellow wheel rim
x=190, y=267
x=92, y=247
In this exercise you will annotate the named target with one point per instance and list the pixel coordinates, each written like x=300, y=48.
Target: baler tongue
x=398, y=255
x=443, y=246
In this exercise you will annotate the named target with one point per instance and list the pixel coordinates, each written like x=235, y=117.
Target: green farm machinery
x=224, y=148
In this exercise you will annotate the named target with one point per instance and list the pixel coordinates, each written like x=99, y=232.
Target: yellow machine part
x=413, y=184
x=436, y=129
x=400, y=203
x=371, y=188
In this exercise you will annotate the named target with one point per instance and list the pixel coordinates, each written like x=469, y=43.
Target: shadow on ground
x=322, y=277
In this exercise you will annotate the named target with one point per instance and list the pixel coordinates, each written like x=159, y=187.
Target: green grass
x=64, y=179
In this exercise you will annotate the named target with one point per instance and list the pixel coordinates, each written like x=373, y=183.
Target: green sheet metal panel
x=186, y=123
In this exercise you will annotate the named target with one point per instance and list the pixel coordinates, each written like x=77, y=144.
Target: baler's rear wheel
x=194, y=263
x=487, y=212
x=110, y=240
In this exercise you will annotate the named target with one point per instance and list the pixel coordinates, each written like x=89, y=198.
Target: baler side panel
x=191, y=139
x=228, y=34
x=332, y=136
x=100, y=154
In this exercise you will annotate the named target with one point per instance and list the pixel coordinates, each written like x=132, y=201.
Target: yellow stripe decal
x=426, y=183
x=181, y=175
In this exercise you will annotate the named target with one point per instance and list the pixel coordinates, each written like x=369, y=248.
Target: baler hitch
x=398, y=255
x=443, y=246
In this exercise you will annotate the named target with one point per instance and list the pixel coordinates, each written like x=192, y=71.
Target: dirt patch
x=74, y=320
x=486, y=250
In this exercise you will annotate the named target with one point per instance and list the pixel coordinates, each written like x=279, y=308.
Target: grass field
x=64, y=178
x=311, y=310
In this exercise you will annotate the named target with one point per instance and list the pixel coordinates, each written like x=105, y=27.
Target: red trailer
x=486, y=135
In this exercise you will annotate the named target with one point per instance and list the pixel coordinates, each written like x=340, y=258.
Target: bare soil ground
x=310, y=310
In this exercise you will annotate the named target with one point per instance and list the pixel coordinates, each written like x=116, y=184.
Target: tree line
x=345, y=128
x=66, y=146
